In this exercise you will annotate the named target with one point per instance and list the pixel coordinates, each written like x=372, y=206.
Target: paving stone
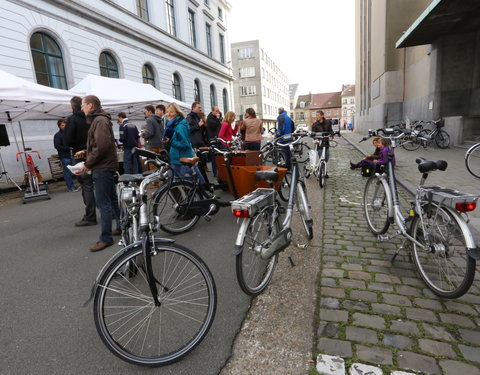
x=330, y=365
x=335, y=347
x=402, y=373
x=356, y=305
x=470, y=336
x=428, y=303
x=397, y=341
x=437, y=348
x=417, y=362
x=374, y=354
x=354, y=284
x=470, y=298
x=429, y=294
x=326, y=281
x=458, y=320
x=395, y=299
x=332, y=292
x=421, y=314
x=362, y=335
x=328, y=329
x=378, y=269
x=470, y=353
x=450, y=367
x=439, y=332
x=332, y=272
x=402, y=272
x=352, y=267
x=331, y=303
x=363, y=295
x=359, y=275
x=412, y=281
x=382, y=287
x=460, y=307
x=383, y=263
x=382, y=308
x=372, y=321
x=362, y=369
x=408, y=291
x=333, y=315
x=407, y=328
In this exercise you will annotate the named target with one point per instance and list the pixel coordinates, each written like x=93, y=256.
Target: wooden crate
x=241, y=158
x=56, y=168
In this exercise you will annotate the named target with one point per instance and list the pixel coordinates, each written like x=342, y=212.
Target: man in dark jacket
x=197, y=127
x=213, y=127
x=75, y=136
x=323, y=125
x=101, y=161
x=64, y=154
x=129, y=138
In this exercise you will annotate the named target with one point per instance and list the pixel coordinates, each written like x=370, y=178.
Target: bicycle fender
x=241, y=236
x=474, y=253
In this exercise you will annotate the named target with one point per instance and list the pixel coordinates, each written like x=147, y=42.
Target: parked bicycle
x=261, y=237
x=472, y=160
x=154, y=300
x=315, y=164
x=442, y=246
x=436, y=135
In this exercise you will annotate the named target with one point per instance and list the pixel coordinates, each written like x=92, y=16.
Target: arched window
x=108, y=65
x=197, y=91
x=148, y=75
x=48, y=61
x=225, y=101
x=176, y=87
x=213, y=96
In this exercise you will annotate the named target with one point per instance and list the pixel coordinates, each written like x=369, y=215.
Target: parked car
x=301, y=128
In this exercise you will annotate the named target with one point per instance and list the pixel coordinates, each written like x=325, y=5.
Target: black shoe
x=327, y=176
x=84, y=223
x=352, y=166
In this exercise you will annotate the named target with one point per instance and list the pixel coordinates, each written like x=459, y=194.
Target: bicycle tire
x=304, y=210
x=284, y=190
x=472, y=160
x=445, y=266
x=166, y=201
x=321, y=174
x=301, y=152
x=411, y=143
x=424, y=133
x=442, y=139
x=130, y=324
x=253, y=272
x=376, y=205
x=307, y=169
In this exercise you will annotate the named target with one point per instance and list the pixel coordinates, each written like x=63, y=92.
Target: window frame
x=142, y=10
x=177, y=91
x=197, y=90
x=192, y=28
x=208, y=35
x=170, y=12
x=145, y=78
x=221, y=41
x=213, y=95
x=107, y=67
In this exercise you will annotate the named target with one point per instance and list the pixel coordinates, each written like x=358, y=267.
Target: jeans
x=86, y=182
x=130, y=162
x=184, y=172
x=107, y=203
x=67, y=175
x=255, y=146
x=327, y=153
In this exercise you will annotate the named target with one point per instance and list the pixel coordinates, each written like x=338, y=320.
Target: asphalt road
x=46, y=276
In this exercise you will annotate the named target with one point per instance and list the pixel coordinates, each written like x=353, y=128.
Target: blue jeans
x=255, y=146
x=130, y=162
x=184, y=172
x=67, y=175
x=107, y=203
x=327, y=153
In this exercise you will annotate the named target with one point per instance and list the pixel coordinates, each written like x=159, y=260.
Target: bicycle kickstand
x=402, y=246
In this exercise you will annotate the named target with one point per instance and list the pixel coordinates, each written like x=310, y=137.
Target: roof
x=442, y=17
x=326, y=100
x=303, y=98
x=348, y=90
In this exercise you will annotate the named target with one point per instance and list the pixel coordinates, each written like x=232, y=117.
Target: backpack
x=367, y=170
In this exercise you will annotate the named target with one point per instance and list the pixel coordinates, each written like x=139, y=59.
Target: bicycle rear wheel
x=304, y=209
x=284, y=190
x=253, y=272
x=472, y=160
x=444, y=266
x=442, y=139
x=411, y=143
x=321, y=174
x=376, y=205
x=130, y=324
x=301, y=152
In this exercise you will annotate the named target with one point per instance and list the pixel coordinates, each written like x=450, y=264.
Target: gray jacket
x=153, y=133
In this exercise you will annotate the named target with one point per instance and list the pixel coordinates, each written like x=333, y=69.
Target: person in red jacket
x=227, y=131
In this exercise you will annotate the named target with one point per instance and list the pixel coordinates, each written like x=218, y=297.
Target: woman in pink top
x=227, y=132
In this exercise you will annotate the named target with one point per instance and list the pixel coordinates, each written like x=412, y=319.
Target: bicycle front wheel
x=376, y=205
x=253, y=272
x=284, y=190
x=472, y=160
x=444, y=265
x=304, y=209
x=130, y=324
x=167, y=205
x=301, y=152
x=321, y=174
x=411, y=143
x=442, y=139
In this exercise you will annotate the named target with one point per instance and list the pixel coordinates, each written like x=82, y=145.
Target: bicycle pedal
x=208, y=218
x=382, y=238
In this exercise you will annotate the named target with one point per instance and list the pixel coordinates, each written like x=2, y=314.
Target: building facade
x=348, y=106
x=301, y=110
x=178, y=46
x=259, y=83
x=331, y=105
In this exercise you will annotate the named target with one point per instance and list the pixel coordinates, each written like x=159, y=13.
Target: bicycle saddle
x=190, y=161
x=269, y=175
x=425, y=166
x=130, y=178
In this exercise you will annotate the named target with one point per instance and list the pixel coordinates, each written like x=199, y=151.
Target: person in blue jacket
x=64, y=154
x=129, y=138
x=284, y=127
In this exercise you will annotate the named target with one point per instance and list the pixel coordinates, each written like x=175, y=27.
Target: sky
x=311, y=41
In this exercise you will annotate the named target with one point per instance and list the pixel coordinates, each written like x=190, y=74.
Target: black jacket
x=197, y=132
x=58, y=143
x=75, y=133
x=213, y=126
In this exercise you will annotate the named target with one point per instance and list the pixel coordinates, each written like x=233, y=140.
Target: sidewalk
x=378, y=313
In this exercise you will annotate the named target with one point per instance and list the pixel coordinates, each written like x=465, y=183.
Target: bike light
x=240, y=213
x=465, y=206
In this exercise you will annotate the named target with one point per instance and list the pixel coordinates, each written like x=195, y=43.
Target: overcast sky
x=311, y=41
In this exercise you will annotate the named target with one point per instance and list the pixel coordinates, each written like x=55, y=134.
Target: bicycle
x=154, y=300
x=32, y=179
x=260, y=237
x=316, y=165
x=437, y=135
x=472, y=160
x=442, y=246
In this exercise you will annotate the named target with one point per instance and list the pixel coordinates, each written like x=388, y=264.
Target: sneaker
x=85, y=223
x=116, y=232
x=100, y=246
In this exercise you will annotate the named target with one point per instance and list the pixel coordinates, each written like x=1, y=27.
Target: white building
x=259, y=83
x=178, y=46
x=348, y=105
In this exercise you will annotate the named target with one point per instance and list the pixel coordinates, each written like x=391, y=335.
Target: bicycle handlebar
x=388, y=133
x=153, y=156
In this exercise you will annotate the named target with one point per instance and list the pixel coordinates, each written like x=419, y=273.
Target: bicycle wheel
x=321, y=174
x=166, y=203
x=472, y=160
x=307, y=169
x=376, y=205
x=130, y=324
x=301, y=152
x=442, y=139
x=284, y=190
x=424, y=137
x=411, y=143
x=253, y=272
x=304, y=209
x=444, y=266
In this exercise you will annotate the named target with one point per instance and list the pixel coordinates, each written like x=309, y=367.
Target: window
x=213, y=96
x=248, y=90
x=244, y=107
x=344, y=101
x=225, y=100
x=248, y=71
x=352, y=100
x=246, y=53
x=220, y=13
x=335, y=113
x=48, y=61
x=302, y=104
x=142, y=9
x=222, y=48
x=108, y=66
x=196, y=91
x=327, y=113
x=176, y=87
x=208, y=29
x=147, y=75
x=171, y=27
x=191, y=27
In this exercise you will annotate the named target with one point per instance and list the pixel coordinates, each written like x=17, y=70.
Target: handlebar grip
x=420, y=160
x=363, y=139
x=142, y=152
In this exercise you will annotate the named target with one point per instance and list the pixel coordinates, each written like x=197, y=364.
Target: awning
x=442, y=17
